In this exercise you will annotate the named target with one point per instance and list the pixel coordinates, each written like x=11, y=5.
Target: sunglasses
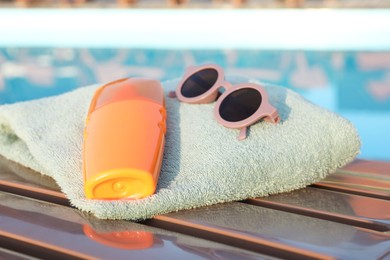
x=239, y=106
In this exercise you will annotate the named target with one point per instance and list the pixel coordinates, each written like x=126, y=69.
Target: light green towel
x=203, y=163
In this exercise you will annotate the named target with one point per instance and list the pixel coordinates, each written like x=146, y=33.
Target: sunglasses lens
x=199, y=83
x=240, y=104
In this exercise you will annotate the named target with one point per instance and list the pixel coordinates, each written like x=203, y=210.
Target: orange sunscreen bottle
x=124, y=140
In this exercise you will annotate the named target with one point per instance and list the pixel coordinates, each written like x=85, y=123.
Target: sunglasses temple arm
x=273, y=117
x=242, y=134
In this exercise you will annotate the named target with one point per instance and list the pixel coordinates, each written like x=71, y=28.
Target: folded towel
x=203, y=162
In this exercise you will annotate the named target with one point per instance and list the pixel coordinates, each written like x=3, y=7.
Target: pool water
x=354, y=84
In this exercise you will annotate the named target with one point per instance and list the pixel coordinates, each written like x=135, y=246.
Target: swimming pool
x=342, y=66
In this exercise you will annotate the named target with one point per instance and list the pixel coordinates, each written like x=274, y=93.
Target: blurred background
x=336, y=53
x=198, y=3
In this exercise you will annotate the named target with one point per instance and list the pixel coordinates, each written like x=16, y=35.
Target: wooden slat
x=12, y=255
x=34, y=192
x=358, y=185
x=47, y=230
x=18, y=179
x=12, y=171
x=367, y=178
x=220, y=234
x=373, y=168
x=291, y=233
x=283, y=231
x=340, y=207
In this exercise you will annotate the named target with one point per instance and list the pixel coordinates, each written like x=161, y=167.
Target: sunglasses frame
x=265, y=110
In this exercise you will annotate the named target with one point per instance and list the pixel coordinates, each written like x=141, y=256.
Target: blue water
x=354, y=84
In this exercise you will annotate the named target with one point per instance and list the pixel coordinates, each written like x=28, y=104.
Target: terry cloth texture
x=203, y=162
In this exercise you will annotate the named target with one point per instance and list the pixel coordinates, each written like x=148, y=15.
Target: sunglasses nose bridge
x=211, y=97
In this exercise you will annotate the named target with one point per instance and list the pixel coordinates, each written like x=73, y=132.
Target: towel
x=203, y=162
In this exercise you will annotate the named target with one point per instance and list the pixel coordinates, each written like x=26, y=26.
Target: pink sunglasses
x=239, y=106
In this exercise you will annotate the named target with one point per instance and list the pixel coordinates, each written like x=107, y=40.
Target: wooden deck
x=345, y=216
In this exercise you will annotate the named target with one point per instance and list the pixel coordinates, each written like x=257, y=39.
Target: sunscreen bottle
x=124, y=139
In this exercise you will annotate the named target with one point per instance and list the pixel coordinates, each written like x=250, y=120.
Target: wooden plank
x=357, y=183
x=17, y=173
x=11, y=255
x=47, y=230
x=361, y=177
x=282, y=240
x=15, y=178
x=378, y=168
x=34, y=192
x=340, y=207
x=296, y=235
